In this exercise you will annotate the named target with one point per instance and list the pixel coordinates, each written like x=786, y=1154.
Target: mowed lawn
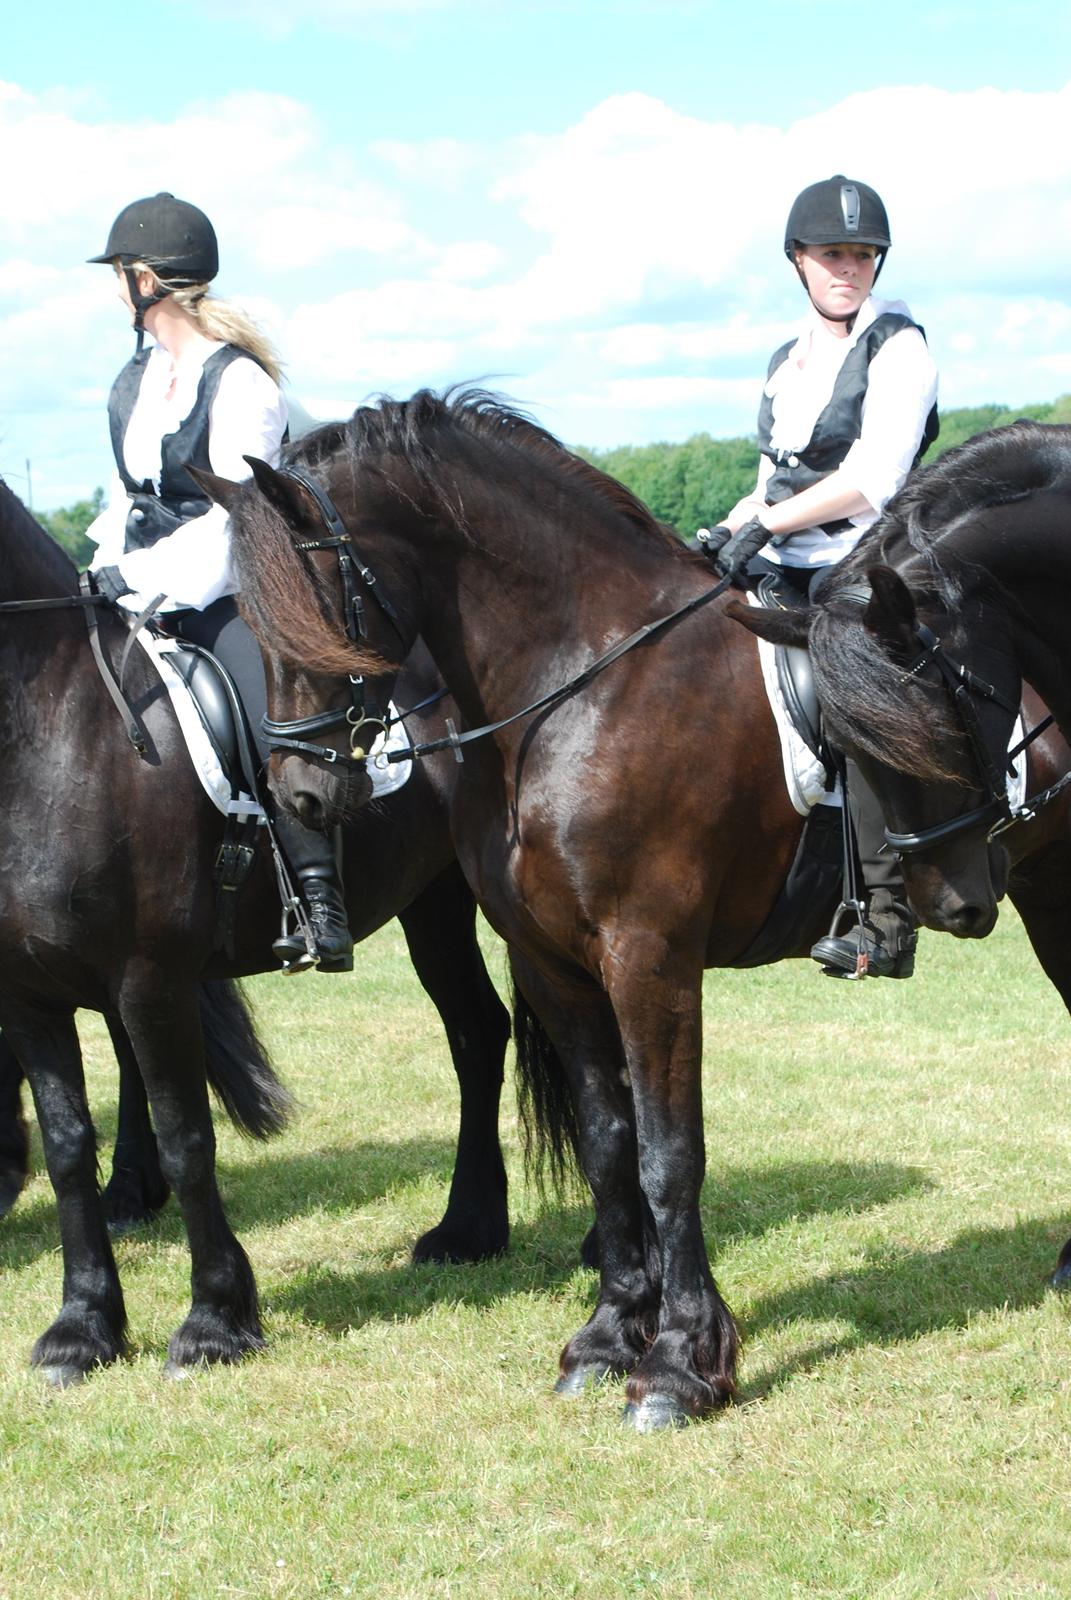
x=888, y=1186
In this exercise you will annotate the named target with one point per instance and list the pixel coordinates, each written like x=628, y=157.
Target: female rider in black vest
x=848, y=407
x=205, y=394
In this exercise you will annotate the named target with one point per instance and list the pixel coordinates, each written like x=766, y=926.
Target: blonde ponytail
x=222, y=320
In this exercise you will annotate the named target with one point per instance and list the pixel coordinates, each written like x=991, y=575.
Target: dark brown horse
x=620, y=839
x=107, y=903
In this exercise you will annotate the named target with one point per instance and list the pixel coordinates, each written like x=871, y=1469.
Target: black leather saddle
x=794, y=675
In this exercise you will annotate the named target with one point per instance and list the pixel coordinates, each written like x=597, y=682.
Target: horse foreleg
x=440, y=929
x=14, y=1137
x=1041, y=893
x=580, y=1026
x=690, y=1367
x=91, y=1326
x=137, y=1188
x=163, y=1022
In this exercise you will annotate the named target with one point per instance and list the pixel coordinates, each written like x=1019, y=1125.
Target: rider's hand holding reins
x=109, y=582
x=734, y=556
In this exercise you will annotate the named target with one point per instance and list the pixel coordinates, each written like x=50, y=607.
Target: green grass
x=888, y=1188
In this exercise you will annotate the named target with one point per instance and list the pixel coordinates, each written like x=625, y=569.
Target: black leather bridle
x=996, y=813
x=353, y=573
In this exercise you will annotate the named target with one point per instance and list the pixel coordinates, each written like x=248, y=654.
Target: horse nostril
x=309, y=810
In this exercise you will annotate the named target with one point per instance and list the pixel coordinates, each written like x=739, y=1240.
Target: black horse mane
x=423, y=441
x=429, y=430
x=868, y=702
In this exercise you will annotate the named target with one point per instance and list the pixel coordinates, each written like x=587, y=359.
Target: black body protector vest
x=151, y=515
x=838, y=425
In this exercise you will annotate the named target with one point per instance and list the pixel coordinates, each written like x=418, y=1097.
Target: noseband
x=357, y=579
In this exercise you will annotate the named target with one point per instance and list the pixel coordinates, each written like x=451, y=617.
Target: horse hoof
x=655, y=1412
x=572, y=1383
x=8, y=1196
x=62, y=1375
x=1061, y=1278
x=174, y=1373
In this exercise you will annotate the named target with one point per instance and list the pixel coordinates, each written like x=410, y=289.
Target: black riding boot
x=889, y=933
x=311, y=858
x=888, y=936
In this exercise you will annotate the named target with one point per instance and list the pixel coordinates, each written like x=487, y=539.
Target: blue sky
x=582, y=202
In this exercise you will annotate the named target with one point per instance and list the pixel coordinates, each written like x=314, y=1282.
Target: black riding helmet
x=172, y=237
x=838, y=210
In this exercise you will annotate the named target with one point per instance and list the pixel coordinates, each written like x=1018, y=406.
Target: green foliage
x=686, y=485
x=692, y=485
x=68, y=526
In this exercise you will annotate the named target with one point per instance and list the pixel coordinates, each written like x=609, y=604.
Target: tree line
x=687, y=486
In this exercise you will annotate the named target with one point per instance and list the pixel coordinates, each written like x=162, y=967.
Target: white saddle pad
x=805, y=776
x=386, y=776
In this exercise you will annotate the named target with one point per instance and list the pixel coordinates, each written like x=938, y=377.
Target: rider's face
x=838, y=276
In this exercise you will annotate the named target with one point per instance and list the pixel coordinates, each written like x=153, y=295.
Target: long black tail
x=548, y=1117
x=237, y=1064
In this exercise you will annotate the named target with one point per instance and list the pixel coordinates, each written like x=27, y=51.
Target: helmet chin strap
x=141, y=303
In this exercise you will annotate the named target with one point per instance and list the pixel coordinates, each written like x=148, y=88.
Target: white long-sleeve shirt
x=901, y=391
x=191, y=566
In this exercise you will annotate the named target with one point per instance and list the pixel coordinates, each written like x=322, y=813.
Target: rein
x=280, y=734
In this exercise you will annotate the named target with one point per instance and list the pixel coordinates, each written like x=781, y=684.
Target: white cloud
x=625, y=275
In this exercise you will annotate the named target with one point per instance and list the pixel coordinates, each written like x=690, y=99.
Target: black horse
x=920, y=641
x=107, y=903
x=623, y=819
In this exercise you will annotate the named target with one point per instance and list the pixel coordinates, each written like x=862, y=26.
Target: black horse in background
x=920, y=641
x=107, y=903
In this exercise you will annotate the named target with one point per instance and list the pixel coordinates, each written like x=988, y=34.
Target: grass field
x=888, y=1186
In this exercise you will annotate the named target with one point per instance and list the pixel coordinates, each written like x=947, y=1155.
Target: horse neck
x=32, y=565
x=545, y=579
x=1023, y=549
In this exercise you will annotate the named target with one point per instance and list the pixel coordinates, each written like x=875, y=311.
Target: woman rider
x=205, y=394
x=848, y=408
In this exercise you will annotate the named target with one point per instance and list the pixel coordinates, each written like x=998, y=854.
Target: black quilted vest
x=151, y=515
x=838, y=425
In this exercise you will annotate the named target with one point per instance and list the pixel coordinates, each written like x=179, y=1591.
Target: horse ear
x=770, y=622
x=283, y=492
x=222, y=490
x=890, y=613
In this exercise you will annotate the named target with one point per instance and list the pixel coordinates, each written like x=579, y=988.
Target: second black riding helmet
x=838, y=210
x=173, y=237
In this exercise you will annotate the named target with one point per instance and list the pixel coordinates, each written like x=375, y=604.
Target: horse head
x=330, y=636
x=924, y=704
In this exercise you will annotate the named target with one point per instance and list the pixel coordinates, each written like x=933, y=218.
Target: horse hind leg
x=440, y=929
x=91, y=1326
x=164, y=1026
x=14, y=1135
x=137, y=1188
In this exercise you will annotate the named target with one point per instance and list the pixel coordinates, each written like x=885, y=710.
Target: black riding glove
x=109, y=582
x=745, y=543
x=710, y=540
